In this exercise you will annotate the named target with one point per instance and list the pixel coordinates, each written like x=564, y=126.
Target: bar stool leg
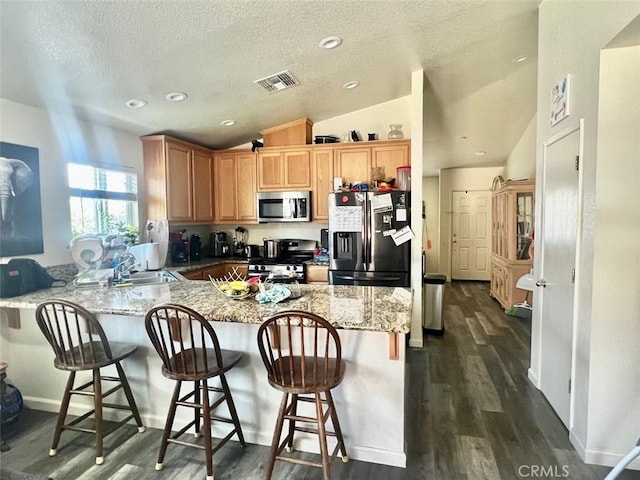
x=275, y=443
x=292, y=423
x=336, y=427
x=127, y=392
x=97, y=401
x=62, y=414
x=197, y=412
x=167, y=426
x=232, y=408
x=322, y=438
x=206, y=420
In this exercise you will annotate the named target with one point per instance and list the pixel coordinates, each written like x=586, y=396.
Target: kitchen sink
x=135, y=279
x=149, y=278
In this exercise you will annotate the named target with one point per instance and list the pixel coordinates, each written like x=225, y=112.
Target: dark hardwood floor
x=471, y=414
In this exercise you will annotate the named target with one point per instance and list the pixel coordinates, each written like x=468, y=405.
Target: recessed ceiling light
x=176, y=96
x=480, y=153
x=330, y=42
x=136, y=103
x=228, y=123
x=351, y=84
x=520, y=59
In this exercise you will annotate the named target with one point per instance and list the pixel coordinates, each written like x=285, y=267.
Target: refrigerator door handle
x=367, y=232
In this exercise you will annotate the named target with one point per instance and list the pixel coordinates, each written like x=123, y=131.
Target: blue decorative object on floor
x=10, y=398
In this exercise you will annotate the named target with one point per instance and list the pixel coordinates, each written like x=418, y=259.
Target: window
x=102, y=200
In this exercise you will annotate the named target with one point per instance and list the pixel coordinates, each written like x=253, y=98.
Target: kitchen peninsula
x=372, y=323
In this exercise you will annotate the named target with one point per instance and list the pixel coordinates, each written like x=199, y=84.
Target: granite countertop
x=381, y=309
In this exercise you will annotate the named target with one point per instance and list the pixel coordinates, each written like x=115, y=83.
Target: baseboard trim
x=302, y=442
x=533, y=378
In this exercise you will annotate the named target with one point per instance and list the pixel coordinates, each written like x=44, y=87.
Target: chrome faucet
x=121, y=270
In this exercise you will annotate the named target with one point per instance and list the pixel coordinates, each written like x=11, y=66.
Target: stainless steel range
x=288, y=265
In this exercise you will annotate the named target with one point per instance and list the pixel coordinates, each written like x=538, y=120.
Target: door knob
x=541, y=283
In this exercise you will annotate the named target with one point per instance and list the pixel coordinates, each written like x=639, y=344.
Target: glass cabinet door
x=524, y=224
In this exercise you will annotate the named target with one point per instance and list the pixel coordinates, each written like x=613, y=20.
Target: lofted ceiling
x=87, y=58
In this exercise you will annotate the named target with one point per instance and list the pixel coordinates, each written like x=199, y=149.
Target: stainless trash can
x=432, y=293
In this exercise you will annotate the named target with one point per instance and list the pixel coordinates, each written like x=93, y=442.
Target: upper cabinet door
x=246, y=189
x=179, y=182
x=390, y=157
x=203, y=200
x=322, y=183
x=225, y=187
x=353, y=165
x=270, y=171
x=297, y=169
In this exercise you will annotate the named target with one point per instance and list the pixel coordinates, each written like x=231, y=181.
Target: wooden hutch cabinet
x=512, y=207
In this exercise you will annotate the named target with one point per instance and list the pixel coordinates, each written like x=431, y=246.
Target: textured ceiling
x=88, y=57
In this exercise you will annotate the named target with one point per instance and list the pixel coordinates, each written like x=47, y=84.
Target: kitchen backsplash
x=256, y=232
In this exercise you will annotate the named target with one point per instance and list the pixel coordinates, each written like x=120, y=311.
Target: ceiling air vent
x=277, y=82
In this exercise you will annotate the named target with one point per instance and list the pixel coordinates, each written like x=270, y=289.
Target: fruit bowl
x=235, y=287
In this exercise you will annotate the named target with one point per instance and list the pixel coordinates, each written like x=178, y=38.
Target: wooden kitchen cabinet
x=390, y=156
x=512, y=208
x=317, y=274
x=284, y=169
x=353, y=164
x=178, y=179
x=192, y=275
x=241, y=267
x=322, y=182
x=235, y=187
x=215, y=271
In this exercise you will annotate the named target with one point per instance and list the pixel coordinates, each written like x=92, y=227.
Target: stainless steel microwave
x=284, y=207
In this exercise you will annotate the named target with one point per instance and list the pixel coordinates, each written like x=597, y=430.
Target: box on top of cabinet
x=297, y=132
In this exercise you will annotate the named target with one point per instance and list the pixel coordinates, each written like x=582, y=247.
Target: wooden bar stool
x=190, y=352
x=302, y=354
x=79, y=343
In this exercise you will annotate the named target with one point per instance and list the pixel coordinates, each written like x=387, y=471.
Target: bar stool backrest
x=287, y=337
x=75, y=334
x=182, y=336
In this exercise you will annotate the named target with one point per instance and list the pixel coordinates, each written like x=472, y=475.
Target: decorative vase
x=396, y=132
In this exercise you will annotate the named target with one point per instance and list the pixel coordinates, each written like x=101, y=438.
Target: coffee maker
x=195, y=246
x=179, y=248
x=219, y=245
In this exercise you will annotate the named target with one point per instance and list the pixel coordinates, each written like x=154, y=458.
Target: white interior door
x=471, y=236
x=557, y=275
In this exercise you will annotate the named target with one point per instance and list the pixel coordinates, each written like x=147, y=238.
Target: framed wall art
x=560, y=100
x=20, y=209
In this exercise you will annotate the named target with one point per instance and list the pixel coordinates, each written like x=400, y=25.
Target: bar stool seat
x=79, y=343
x=190, y=352
x=303, y=357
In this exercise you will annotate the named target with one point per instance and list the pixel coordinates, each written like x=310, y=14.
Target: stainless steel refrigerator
x=369, y=238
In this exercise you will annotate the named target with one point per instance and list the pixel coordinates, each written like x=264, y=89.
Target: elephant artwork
x=20, y=209
x=15, y=178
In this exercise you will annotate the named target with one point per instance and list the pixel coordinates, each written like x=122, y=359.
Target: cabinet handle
x=541, y=283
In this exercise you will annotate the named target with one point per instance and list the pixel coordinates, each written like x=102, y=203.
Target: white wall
x=375, y=119
x=431, y=197
x=59, y=140
x=458, y=179
x=571, y=36
x=522, y=160
x=614, y=419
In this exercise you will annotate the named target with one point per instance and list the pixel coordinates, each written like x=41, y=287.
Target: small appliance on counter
x=195, y=247
x=219, y=245
x=252, y=251
x=179, y=248
x=240, y=241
